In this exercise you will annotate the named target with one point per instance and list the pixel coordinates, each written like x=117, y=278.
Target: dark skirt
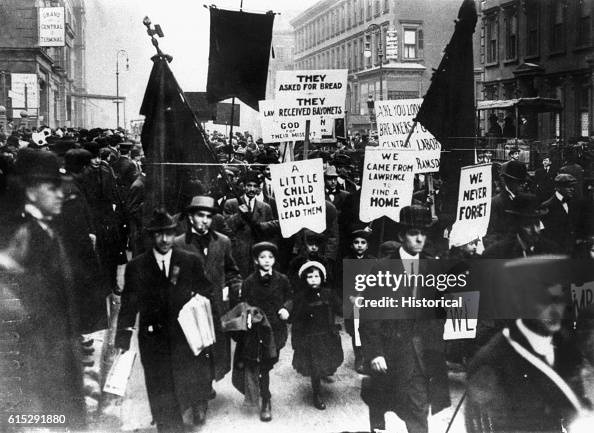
x=317, y=355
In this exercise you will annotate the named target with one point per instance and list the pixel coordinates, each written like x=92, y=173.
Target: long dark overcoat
x=174, y=376
x=220, y=269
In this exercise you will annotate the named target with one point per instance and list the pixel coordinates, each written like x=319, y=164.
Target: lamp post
x=373, y=28
x=125, y=53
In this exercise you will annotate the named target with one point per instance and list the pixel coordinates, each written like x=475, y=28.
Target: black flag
x=448, y=110
x=239, y=54
x=171, y=134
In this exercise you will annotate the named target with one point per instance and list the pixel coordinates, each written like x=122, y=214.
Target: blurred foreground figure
x=43, y=311
x=526, y=378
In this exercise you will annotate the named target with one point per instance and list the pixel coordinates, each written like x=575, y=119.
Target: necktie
x=163, y=270
x=251, y=205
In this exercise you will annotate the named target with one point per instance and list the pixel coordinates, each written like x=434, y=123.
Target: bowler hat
x=60, y=147
x=76, y=159
x=202, y=202
x=93, y=147
x=161, y=221
x=330, y=171
x=33, y=166
x=252, y=176
x=264, y=246
x=565, y=179
x=415, y=217
x=515, y=170
x=526, y=205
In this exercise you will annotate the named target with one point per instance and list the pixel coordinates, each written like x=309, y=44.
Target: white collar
x=541, y=344
x=406, y=256
x=511, y=194
x=559, y=196
x=162, y=257
x=269, y=272
x=34, y=211
x=199, y=234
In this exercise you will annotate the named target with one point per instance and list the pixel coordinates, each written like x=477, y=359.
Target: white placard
x=474, y=201
x=394, y=122
x=287, y=130
x=299, y=193
x=119, y=373
x=388, y=178
x=461, y=321
x=24, y=91
x=392, y=45
x=309, y=94
x=51, y=27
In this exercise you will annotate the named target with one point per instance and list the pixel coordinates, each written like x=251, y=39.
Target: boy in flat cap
x=270, y=291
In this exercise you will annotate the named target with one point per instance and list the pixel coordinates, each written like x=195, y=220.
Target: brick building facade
x=60, y=71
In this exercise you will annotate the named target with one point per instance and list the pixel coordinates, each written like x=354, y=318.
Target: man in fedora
x=333, y=194
x=214, y=251
x=525, y=236
x=513, y=180
x=158, y=283
x=39, y=305
x=526, y=378
x=405, y=351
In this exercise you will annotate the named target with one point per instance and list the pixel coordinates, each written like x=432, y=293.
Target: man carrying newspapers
x=167, y=286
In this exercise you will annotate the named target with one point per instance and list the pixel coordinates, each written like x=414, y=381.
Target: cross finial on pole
x=156, y=30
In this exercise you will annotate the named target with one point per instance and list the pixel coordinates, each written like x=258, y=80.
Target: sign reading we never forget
x=309, y=94
x=394, y=123
x=474, y=200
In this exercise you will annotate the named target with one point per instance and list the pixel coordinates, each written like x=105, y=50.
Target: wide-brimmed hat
x=161, y=221
x=565, y=179
x=202, y=202
x=264, y=246
x=312, y=264
x=330, y=171
x=415, y=217
x=515, y=170
x=32, y=166
x=526, y=205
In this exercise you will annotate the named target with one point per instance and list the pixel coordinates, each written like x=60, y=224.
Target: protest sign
x=299, y=193
x=388, y=176
x=289, y=130
x=461, y=321
x=309, y=94
x=394, y=122
x=474, y=201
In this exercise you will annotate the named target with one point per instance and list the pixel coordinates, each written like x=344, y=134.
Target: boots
x=317, y=400
x=266, y=410
x=199, y=412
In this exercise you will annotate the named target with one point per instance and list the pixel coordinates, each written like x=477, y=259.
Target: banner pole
x=410, y=133
x=306, y=141
x=231, y=129
x=431, y=193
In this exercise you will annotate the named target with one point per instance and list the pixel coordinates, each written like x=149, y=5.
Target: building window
x=343, y=18
x=368, y=9
x=349, y=57
x=556, y=34
x=412, y=43
x=532, y=29
x=349, y=14
x=377, y=7
x=511, y=33
x=343, y=57
x=386, y=6
x=492, y=39
x=361, y=11
x=584, y=22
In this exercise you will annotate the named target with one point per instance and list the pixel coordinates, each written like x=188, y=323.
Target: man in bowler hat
x=41, y=309
x=158, y=283
x=405, y=351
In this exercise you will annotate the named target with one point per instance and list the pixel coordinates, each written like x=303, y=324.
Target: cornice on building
x=311, y=12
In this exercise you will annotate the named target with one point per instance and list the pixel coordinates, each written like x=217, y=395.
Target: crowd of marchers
x=73, y=210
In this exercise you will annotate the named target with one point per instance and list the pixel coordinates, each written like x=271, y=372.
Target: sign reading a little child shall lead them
x=299, y=193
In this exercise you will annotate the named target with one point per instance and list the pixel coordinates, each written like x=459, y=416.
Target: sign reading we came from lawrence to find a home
x=309, y=94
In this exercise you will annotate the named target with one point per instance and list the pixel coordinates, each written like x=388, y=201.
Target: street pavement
x=292, y=408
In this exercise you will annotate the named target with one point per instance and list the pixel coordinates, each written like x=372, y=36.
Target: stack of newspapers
x=195, y=319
